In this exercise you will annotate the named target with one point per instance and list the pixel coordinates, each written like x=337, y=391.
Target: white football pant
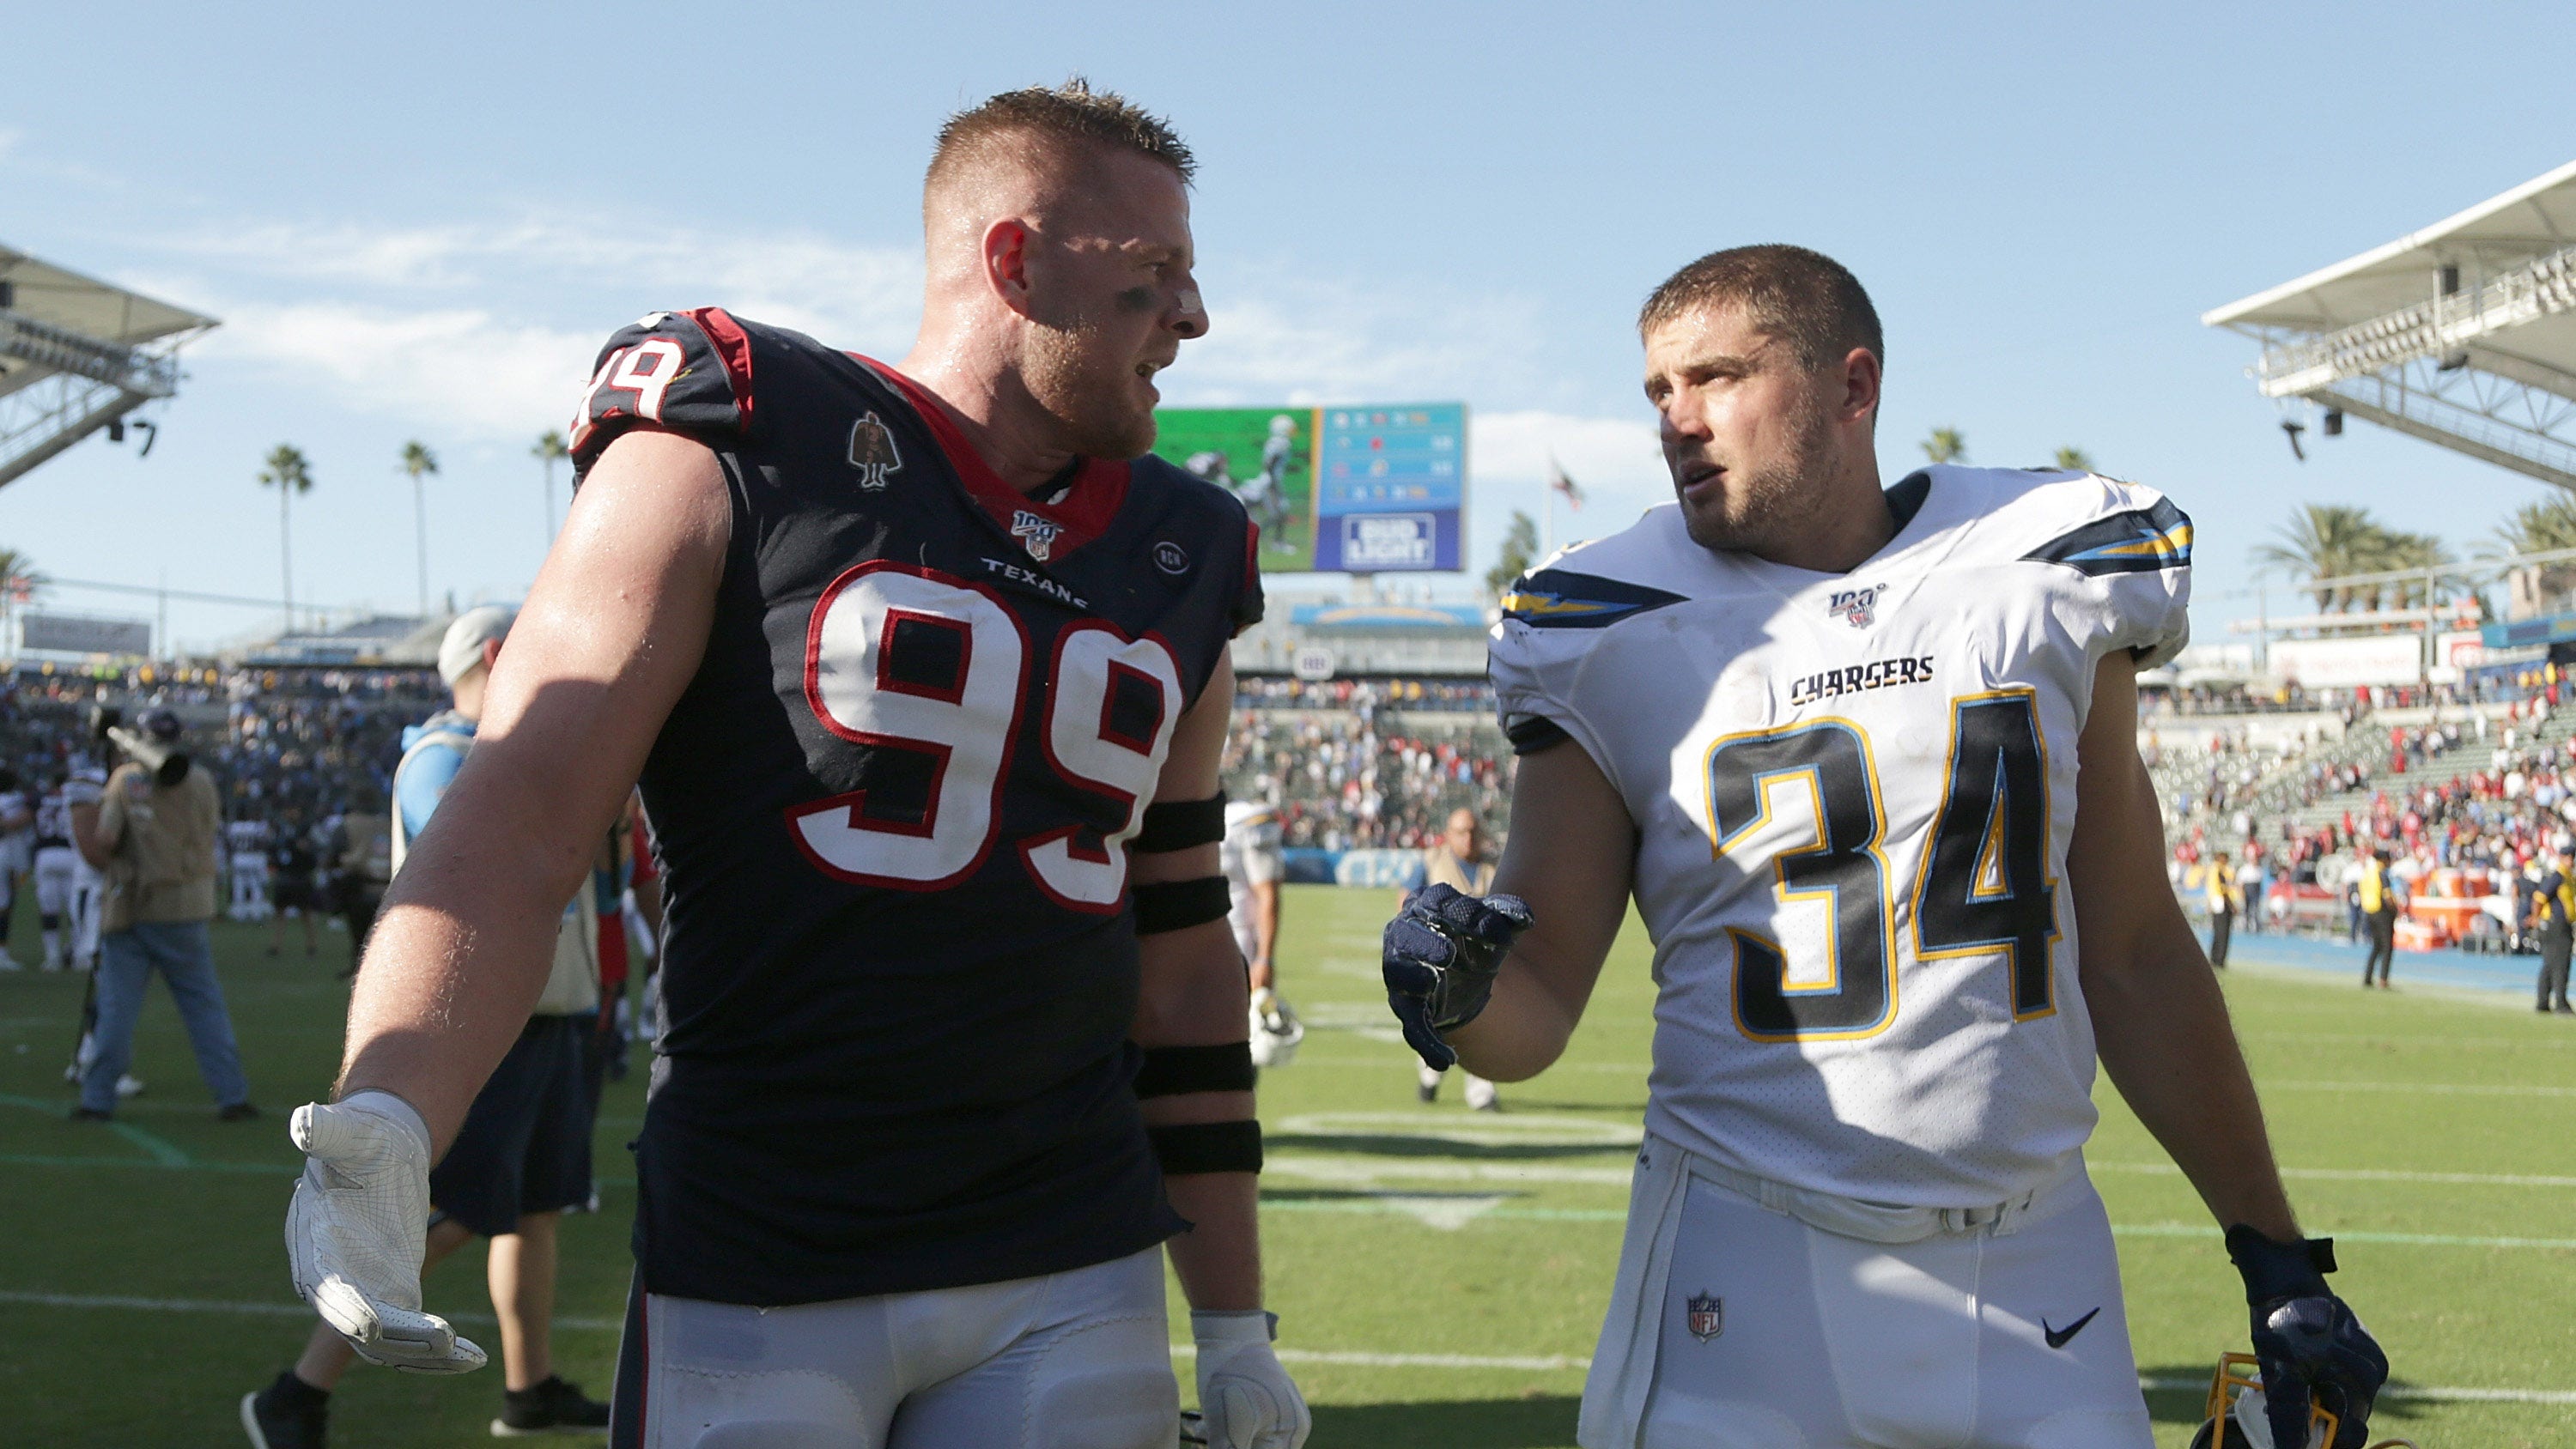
x=1766, y=1332
x=1078, y=1360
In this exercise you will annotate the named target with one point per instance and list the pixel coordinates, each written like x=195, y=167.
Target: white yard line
x=1354, y=1358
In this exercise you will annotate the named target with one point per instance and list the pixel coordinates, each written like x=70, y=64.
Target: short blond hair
x=1072, y=114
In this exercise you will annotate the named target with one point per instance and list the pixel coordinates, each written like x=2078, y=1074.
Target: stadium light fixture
x=2334, y=422
x=2294, y=427
x=116, y=430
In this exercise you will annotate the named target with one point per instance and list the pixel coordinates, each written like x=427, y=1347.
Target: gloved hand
x=1246, y=1400
x=2311, y=1347
x=358, y=1227
x=1440, y=956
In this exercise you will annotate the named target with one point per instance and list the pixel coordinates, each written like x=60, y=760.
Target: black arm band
x=1172, y=1070
x=1177, y=905
x=1207, y=1147
x=1533, y=733
x=1180, y=824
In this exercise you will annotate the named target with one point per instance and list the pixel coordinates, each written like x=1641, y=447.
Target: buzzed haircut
x=1804, y=298
x=1071, y=112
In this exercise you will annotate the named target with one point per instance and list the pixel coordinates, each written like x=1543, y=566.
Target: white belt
x=1871, y=1222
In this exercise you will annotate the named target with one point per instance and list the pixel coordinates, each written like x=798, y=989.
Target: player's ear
x=1006, y=263
x=1860, y=379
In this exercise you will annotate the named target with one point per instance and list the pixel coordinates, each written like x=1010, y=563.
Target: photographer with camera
x=153, y=839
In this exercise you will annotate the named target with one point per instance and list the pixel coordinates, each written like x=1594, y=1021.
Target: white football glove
x=1246, y=1400
x=358, y=1227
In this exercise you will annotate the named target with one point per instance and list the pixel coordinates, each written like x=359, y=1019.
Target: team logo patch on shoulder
x=1857, y=607
x=1171, y=558
x=1036, y=533
x=1562, y=599
x=1706, y=1316
x=2137, y=541
x=873, y=453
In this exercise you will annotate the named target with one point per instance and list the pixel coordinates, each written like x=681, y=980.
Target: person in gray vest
x=523, y=1156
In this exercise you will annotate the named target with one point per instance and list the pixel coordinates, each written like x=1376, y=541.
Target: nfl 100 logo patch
x=1706, y=1316
x=1036, y=532
x=1858, y=606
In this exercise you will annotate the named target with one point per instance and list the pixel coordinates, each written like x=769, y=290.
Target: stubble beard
x=1090, y=398
x=1776, y=503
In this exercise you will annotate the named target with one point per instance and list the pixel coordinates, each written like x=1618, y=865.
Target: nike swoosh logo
x=2061, y=1337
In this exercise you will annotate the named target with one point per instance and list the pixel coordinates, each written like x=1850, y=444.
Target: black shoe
x=288, y=1414
x=551, y=1407
x=237, y=1112
x=1426, y=1091
x=91, y=1114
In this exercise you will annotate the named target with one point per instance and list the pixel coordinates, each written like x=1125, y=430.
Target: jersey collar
x=1048, y=531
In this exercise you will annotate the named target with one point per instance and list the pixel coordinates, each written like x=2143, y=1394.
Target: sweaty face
x=1112, y=300
x=1746, y=429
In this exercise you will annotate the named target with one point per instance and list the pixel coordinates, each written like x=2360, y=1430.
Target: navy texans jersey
x=892, y=812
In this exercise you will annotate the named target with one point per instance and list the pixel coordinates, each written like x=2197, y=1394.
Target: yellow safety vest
x=2374, y=889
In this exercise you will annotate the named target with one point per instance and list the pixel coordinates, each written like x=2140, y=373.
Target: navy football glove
x=2310, y=1345
x=1441, y=953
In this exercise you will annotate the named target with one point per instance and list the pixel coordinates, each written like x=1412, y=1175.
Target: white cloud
x=861, y=294
x=459, y=369
x=10, y=136
x=1279, y=338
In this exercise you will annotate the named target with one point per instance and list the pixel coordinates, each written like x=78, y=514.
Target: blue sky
x=418, y=222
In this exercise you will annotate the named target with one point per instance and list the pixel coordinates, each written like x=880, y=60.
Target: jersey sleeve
x=2135, y=551
x=682, y=372
x=1248, y=604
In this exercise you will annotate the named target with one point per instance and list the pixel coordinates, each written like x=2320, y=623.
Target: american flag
x=1558, y=480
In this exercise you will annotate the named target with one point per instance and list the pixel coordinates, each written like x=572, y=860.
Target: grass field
x=1440, y=1275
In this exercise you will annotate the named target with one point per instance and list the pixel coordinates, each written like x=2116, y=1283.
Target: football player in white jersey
x=1255, y=865
x=1867, y=761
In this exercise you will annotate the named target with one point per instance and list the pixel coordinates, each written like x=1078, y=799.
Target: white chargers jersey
x=53, y=818
x=1250, y=855
x=1853, y=796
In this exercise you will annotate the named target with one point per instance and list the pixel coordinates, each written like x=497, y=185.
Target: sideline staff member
x=2225, y=899
x=523, y=1156
x=154, y=842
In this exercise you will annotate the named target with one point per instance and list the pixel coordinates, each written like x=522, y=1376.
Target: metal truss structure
x=2463, y=334
x=77, y=356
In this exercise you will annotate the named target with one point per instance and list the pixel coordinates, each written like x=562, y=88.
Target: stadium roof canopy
x=77, y=355
x=2462, y=334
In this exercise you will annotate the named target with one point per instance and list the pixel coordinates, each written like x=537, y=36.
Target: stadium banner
x=1388, y=616
x=82, y=634
x=1356, y=489
x=2348, y=663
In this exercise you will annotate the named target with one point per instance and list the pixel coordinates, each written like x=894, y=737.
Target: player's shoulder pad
x=2098, y=526
x=688, y=372
x=1203, y=511
x=1595, y=585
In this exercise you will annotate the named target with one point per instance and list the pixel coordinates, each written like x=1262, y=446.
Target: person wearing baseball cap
x=153, y=842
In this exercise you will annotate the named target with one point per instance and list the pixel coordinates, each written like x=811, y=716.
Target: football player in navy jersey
x=922, y=672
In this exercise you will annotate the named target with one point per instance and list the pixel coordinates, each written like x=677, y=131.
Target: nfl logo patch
x=1036, y=532
x=1707, y=1316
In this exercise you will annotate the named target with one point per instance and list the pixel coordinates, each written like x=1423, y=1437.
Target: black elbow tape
x=1172, y=1070
x=1177, y=905
x=1207, y=1147
x=1180, y=824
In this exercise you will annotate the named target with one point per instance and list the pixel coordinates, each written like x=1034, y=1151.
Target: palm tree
x=2323, y=541
x=420, y=462
x=19, y=583
x=2540, y=528
x=2074, y=460
x=289, y=473
x=1946, y=445
x=2414, y=551
x=550, y=450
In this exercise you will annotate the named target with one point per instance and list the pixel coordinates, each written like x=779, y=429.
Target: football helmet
x=2233, y=1418
x=1275, y=1030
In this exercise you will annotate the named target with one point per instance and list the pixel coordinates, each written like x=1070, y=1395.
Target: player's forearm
x=2161, y=1029
x=464, y=947
x=1265, y=933
x=1526, y=1025
x=1219, y=1259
